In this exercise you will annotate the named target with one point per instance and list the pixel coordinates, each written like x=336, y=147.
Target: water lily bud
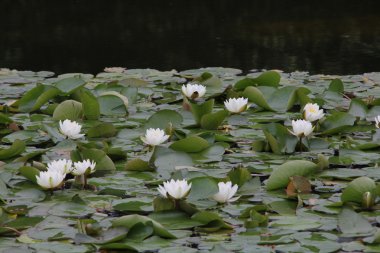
x=62, y=165
x=377, y=121
x=50, y=179
x=368, y=200
x=193, y=91
x=311, y=112
x=71, y=129
x=176, y=189
x=236, y=105
x=302, y=128
x=154, y=137
x=226, y=192
x=83, y=167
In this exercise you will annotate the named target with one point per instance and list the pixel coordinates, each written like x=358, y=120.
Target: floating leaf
x=113, y=103
x=337, y=122
x=268, y=78
x=353, y=224
x=355, y=190
x=129, y=221
x=102, y=130
x=211, y=221
x=202, y=188
x=70, y=84
x=336, y=85
x=358, y=108
x=174, y=220
x=29, y=172
x=191, y=144
x=239, y=176
x=272, y=99
x=211, y=121
x=4, y=119
x=138, y=165
x=68, y=109
x=91, y=107
x=280, y=177
x=279, y=138
x=36, y=97
x=201, y=109
x=163, y=118
x=298, y=185
x=256, y=96
x=104, y=164
x=18, y=146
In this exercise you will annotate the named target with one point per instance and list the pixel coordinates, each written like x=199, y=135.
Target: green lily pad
x=68, y=109
x=280, y=177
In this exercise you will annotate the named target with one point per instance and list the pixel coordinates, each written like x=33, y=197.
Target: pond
x=330, y=37
x=189, y=158
x=251, y=177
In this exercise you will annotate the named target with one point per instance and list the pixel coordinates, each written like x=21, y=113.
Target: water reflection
x=339, y=37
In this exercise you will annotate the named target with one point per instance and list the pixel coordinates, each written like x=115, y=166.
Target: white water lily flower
x=302, y=128
x=50, y=179
x=311, y=112
x=193, y=91
x=85, y=166
x=71, y=129
x=62, y=165
x=177, y=189
x=236, y=105
x=154, y=137
x=377, y=121
x=226, y=192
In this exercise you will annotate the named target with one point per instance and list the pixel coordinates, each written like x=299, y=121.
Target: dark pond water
x=338, y=37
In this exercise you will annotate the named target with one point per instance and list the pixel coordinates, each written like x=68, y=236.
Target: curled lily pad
x=91, y=107
x=272, y=99
x=17, y=148
x=213, y=120
x=69, y=109
x=200, y=109
x=191, y=144
x=113, y=103
x=129, y=221
x=70, y=84
x=268, y=78
x=33, y=99
x=280, y=177
x=359, y=190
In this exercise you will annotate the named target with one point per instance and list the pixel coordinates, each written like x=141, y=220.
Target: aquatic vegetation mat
x=202, y=160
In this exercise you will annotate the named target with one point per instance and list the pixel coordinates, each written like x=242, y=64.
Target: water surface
x=338, y=37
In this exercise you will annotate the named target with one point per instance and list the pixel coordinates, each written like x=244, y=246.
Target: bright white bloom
x=154, y=137
x=236, y=105
x=62, y=165
x=377, y=121
x=226, y=192
x=177, y=189
x=70, y=128
x=302, y=128
x=82, y=167
x=311, y=112
x=193, y=91
x=50, y=179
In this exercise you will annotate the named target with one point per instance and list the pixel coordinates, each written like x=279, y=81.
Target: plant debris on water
x=202, y=160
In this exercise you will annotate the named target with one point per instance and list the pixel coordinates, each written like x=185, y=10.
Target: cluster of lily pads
x=193, y=161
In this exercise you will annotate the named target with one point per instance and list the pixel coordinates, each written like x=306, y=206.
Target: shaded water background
x=332, y=37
